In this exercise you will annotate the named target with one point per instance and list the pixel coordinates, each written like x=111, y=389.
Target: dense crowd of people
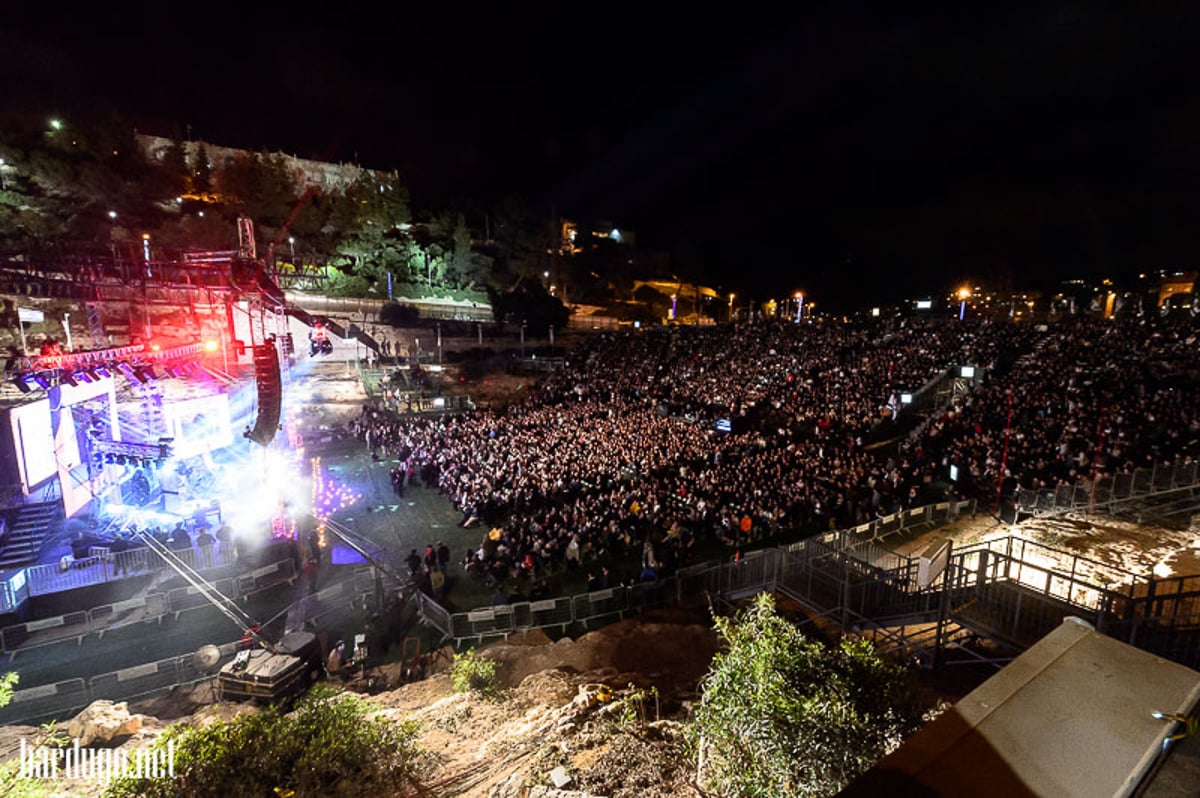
x=651, y=440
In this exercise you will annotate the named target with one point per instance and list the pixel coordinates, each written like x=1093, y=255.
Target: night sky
x=856, y=153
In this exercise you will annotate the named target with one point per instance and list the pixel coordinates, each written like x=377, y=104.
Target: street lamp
x=732, y=296
x=964, y=294
x=292, y=245
x=799, y=297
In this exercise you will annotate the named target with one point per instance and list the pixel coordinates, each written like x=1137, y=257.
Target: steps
x=30, y=523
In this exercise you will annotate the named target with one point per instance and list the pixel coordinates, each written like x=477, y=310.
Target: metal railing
x=102, y=566
x=1011, y=590
x=1108, y=493
x=77, y=626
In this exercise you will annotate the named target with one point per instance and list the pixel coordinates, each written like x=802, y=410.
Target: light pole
x=292, y=246
x=964, y=294
x=799, y=297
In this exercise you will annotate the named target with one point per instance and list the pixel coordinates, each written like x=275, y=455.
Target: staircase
x=30, y=523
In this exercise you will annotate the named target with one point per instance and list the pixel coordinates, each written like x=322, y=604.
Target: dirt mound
x=664, y=653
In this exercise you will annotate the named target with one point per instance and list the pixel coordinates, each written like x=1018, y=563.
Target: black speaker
x=270, y=394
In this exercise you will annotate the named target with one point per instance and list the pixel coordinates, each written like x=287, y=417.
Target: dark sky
x=842, y=149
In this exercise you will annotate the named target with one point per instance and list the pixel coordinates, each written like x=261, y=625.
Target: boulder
x=103, y=721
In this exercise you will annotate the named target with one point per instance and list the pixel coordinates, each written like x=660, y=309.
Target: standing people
x=115, y=548
x=204, y=541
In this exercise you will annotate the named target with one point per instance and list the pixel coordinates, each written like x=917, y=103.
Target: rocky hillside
x=596, y=716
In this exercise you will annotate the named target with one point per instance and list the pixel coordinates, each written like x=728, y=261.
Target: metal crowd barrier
x=600, y=606
x=152, y=607
x=102, y=566
x=126, y=613
x=1108, y=490
x=817, y=566
x=265, y=577
x=434, y=614
x=29, y=634
x=46, y=702
x=62, y=699
x=543, y=614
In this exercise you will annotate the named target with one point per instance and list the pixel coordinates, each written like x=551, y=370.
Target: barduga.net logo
x=95, y=764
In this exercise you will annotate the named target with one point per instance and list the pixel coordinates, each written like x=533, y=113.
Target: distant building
x=1176, y=284
x=576, y=237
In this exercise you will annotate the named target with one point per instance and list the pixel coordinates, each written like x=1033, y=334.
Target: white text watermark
x=96, y=764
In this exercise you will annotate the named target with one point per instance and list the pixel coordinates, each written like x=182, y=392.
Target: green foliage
x=470, y=672
x=8, y=683
x=343, y=282
x=330, y=745
x=782, y=715
x=634, y=708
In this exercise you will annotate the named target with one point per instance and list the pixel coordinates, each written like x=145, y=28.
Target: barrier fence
x=1010, y=590
x=1109, y=491
x=102, y=566
x=152, y=607
x=61, y=699
x=817, y=566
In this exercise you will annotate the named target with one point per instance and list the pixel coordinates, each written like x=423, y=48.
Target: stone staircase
x=26, y=533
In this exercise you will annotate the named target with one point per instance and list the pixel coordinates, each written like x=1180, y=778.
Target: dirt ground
x=549, y=714
x=479, y=748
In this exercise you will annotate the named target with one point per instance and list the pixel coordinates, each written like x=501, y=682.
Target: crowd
x=619, y=453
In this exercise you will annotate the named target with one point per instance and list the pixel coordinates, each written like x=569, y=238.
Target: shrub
x=782, y=715
x=470, y=672
x=329, y=745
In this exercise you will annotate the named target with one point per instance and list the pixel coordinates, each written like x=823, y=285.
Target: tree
x=201, y=171
x=532, y=305
x=370, y=222
x=782, y=715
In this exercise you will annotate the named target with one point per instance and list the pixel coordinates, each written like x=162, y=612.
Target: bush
x=782, y=715
x=472, y=673
x=330, y=745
